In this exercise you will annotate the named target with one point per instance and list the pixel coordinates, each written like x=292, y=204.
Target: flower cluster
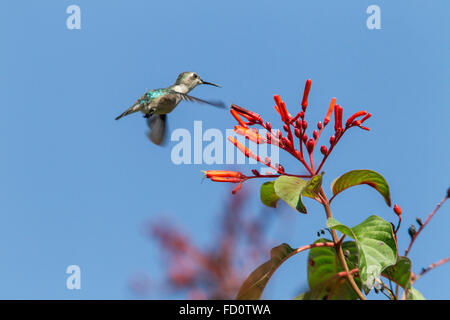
x=295, y=132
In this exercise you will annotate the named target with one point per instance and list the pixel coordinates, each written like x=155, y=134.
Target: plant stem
x=338, y=248
x=424, y=224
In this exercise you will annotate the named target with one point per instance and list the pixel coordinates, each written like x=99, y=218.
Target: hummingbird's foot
x=148, y=115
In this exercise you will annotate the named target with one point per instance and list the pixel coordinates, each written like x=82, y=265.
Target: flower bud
x=304, y=124
x=315, y=134
x=397, y=210
x=332, y=139
x=310, y=145
x=297, y=132
x=319, y=125
x=323, y=150
x=268, y=126
x=412, y=231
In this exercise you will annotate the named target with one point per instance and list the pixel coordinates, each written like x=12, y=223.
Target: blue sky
x=77, y=186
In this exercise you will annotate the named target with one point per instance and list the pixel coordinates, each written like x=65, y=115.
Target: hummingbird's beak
x=211, y=84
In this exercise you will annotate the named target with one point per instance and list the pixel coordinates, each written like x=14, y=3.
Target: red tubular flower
x=241, y=147
x=367, y=116
x=354, y=116
x=223, y=174
x=330, y=111
x=305, y=94
x=249, y=134
x=236, y=116
x=281, y=108
x=339, y=117
x=336, y=117
x=250, y=115
x=226, y=179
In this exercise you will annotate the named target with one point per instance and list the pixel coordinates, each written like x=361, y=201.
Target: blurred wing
x=186, y=97
x=157, y=125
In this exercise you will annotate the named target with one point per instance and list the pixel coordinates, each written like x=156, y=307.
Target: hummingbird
x=157, y=103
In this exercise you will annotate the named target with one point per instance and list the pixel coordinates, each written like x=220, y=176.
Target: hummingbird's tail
x=130, y=110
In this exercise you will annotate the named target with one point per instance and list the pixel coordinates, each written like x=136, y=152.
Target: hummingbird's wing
x=157, y=125
x=183, y=96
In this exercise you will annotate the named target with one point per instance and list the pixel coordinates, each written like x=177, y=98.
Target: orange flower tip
x=397, y=210
x=330, y=111
x=364, y=128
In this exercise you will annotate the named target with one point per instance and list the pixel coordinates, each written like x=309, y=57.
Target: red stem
x=413, y=238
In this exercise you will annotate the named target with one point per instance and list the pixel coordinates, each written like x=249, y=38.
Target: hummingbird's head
x=191, y=80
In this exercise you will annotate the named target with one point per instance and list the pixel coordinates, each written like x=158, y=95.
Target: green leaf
x=323, y=265
x=313, y=188
x=291, y=189
x=357, y=177
x=400, y=273
x=254, y=285
x=376, y=245
x=414, y=294
x=268, y=195
x=301, y=296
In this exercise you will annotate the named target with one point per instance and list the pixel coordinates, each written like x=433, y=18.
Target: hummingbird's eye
x=195, y=76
